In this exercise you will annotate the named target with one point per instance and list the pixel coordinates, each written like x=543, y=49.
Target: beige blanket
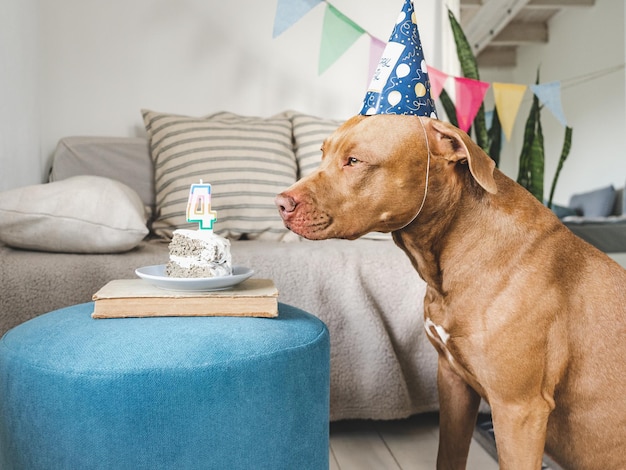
x=382, y=365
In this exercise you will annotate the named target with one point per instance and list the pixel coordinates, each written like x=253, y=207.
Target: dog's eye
x=352, y=161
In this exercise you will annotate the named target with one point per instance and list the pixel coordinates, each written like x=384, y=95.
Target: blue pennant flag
x=290, y=11
x=550, y=95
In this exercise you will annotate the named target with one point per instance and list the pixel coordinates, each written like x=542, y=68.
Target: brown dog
x=522, y=312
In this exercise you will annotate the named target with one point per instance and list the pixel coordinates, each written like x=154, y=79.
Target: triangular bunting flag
x=290, y=11
x=338, y=34
x=508, y=98
x=550, y=95
x=469, y=97
x=376, y=51
x=437, y=80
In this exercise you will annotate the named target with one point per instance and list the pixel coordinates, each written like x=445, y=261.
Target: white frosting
x=183, y=261
x=204, y=235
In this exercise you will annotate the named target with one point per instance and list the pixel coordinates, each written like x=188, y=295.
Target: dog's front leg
x=458, y=409
x=520, y=430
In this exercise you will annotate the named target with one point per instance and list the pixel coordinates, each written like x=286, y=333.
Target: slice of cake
x=198, y=253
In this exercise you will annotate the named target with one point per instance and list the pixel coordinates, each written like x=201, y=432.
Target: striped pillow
x=247, y=160
x=309, y=132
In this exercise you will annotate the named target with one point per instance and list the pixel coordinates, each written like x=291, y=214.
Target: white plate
x=156, y=275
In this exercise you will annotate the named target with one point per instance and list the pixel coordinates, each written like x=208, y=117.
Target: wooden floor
x=394, y=445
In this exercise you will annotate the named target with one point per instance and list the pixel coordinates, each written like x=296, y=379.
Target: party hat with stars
x=400, y=84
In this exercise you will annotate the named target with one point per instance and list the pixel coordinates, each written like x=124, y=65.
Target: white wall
x=582, y=41
x=19, y=94
x=89, y=66
x=86, y=67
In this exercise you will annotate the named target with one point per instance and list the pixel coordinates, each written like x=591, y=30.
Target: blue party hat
x=400, y=84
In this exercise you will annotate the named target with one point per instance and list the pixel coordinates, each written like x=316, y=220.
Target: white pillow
x=82, y=214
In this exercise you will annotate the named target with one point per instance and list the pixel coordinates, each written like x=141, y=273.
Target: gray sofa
x=599, y=217
x=382, y=365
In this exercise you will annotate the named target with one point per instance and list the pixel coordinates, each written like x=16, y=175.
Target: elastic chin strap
x=427, y=173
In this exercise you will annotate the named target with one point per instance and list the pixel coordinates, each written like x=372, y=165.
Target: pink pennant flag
x=290, y=11
x=376, y=51
x=437, y=81
x=469, y=96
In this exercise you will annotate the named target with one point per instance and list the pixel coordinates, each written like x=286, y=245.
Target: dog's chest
x=449, y=347
x=439, y=336
x=435, y=324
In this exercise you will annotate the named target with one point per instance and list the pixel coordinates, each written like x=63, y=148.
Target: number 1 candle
x=199, y=206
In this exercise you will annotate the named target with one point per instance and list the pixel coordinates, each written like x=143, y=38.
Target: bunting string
x=591, y=76
x=339, y=33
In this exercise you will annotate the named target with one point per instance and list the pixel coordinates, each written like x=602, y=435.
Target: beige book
x=138, y=298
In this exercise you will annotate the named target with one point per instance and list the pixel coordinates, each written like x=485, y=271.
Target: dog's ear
x=454, y=145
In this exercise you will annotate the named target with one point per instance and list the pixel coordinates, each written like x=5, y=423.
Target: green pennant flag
x=338, y=34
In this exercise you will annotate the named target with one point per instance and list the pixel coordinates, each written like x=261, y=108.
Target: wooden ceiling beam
x=497, y=56
x=559, y=3
x=516, y=33
x=537, y=3
x=491, y=26
x=492, y=17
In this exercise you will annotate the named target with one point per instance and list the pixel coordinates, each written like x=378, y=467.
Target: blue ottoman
x=164, y=393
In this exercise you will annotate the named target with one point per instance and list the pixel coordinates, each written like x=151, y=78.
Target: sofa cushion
x=247, y=160
x=561, y=211
x=309, y=132
x=125, y=159
x=82, y=214
x=620, y=202
x=596, y=203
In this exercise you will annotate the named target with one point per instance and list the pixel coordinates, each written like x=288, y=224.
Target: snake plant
x=532, y=157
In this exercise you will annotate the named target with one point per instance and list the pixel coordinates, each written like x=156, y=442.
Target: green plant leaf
x=495, y=138
x=449, y=107
x=464, y=51
x=567, y=145
x=532, y=158
x=537, y=161
x=523, y=176
x=469, y=66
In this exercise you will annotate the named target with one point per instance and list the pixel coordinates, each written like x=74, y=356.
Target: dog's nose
x=286, y=204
